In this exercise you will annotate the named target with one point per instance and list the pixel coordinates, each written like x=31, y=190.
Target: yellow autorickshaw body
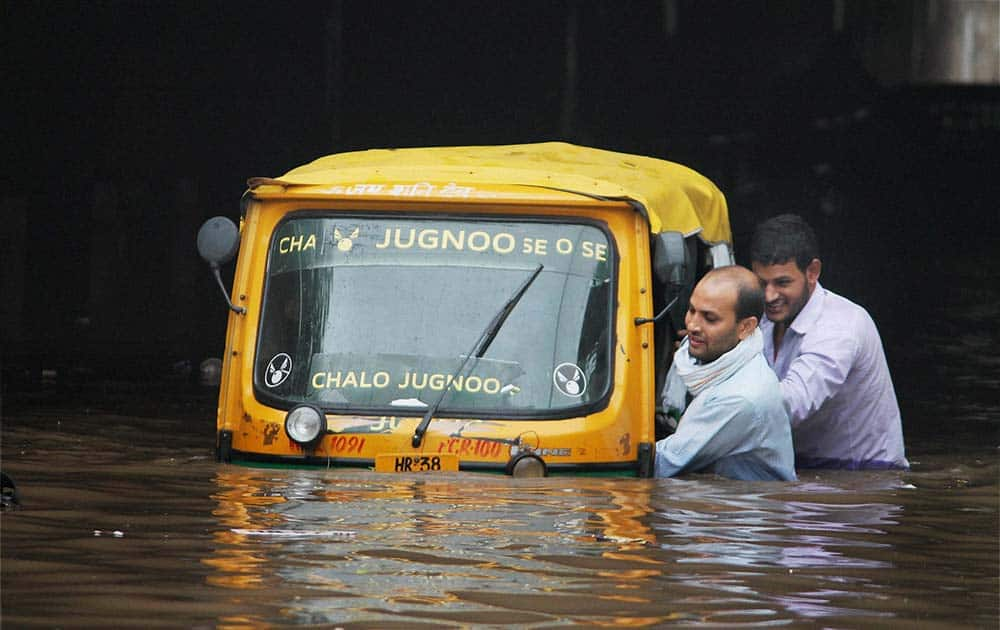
x=544, y=187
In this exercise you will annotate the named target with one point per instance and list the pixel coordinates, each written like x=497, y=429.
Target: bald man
x=735, y=424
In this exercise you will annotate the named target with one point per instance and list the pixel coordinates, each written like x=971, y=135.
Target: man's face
x=786, y=288
x=711, y=321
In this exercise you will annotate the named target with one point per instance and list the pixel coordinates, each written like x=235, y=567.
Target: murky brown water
x=127, y=521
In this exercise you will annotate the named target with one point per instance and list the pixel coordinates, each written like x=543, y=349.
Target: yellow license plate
x=416, y=463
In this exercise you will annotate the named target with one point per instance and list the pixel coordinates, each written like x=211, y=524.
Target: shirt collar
x=809, y=314
x=806, y=318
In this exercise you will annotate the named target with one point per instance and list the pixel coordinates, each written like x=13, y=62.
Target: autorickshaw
x=485, y=308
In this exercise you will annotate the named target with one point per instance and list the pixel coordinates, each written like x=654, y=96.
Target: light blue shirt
x=737, y=428
x=836, y=387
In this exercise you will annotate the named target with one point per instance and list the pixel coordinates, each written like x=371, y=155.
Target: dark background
x=126, y=124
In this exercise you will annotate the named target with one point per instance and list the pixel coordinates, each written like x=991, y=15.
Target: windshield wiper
x=478, y=350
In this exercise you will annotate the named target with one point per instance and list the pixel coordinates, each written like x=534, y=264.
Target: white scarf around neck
x=688, y=375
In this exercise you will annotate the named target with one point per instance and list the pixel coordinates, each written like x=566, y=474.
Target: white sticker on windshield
x=278, y=369
x=345, y=243
x=570, y=380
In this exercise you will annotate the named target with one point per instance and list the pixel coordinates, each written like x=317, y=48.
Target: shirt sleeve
x=817, y=374
x=706, y=433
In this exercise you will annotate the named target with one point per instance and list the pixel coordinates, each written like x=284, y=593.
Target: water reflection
x=214, y=545
x=781, y=529
x=428, y=548
x=363, y=548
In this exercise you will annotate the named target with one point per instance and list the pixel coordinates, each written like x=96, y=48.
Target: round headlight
x=305, y=425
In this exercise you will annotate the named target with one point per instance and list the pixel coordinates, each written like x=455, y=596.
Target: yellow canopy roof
x=675, y=197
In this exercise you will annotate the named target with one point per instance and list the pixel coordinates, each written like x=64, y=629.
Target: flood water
x=127, y=521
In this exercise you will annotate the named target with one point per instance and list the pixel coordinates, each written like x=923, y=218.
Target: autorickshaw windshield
x=377, y=313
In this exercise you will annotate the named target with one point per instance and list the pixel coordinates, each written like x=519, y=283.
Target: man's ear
x=746, y=326
x=813, y=270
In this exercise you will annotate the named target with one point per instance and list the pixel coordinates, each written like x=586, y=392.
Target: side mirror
x=672, y=260
x=673, y=266
x=218, y=241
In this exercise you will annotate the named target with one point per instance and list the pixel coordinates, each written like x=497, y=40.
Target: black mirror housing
x=672, y=260
x=218, y=240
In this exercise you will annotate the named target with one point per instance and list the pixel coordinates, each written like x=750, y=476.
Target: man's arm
x=817, y=374
x=707, y=432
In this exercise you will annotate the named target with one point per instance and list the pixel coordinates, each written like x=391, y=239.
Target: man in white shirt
x=828, y=356
x=735, y=425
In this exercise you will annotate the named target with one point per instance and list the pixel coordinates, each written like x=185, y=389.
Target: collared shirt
x=836, y=386
x=737, y=428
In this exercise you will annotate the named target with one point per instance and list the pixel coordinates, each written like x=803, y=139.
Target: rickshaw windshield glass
x=376, y=315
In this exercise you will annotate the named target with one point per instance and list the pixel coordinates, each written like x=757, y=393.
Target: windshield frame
x=262, y=395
